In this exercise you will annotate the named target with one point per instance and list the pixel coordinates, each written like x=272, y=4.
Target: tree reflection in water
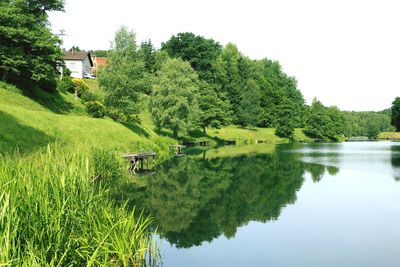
x=196, y=199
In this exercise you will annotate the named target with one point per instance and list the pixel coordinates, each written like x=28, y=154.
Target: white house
x=79, y=63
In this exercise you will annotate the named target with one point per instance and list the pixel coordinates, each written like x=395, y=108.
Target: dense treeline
x=195, y=82
x=368, y=124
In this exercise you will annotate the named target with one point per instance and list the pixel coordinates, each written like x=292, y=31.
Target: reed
x=53, y=212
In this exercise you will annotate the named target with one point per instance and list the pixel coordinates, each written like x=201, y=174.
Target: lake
x=284, y=205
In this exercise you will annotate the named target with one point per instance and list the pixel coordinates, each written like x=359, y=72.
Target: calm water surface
x=286, y=205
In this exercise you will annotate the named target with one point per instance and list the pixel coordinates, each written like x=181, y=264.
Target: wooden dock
x=178, y=149
x=142, y=163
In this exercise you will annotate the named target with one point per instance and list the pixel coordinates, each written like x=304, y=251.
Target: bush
x=116, y=115
x=95, y=109
x=80, y=86
x=65, y=85
x=88, y=96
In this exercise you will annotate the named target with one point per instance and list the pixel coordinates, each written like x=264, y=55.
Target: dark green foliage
x=396, y=113
x=29, y=52
x=286, y=121
x=366, y=123
x=324, y=123
x=116, y=115
x=249, y=110
x=124, y=77
x=228, y=79
x=99, y=53
x=214, y=112
x=95, y=109
x=174, y=102
x=200, y=52
x=75, y=49
x=90, y=96
x=147, y=52
x=65, y=85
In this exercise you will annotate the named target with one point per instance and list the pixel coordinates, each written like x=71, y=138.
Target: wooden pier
x=230, y=142
x=179, y=149
x=142, y=163
x=190, y=143
x=205, y=143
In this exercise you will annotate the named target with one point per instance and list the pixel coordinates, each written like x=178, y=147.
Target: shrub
x=80, y=86
x=88, y=96
x=116, y=115
x=95, y=109
x=65, y=85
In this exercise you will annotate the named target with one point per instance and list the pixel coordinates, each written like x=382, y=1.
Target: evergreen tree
x=147, y=51
x=174, y=101
x=249, y=109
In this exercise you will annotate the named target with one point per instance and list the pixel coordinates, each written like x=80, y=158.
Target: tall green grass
x=54, y=212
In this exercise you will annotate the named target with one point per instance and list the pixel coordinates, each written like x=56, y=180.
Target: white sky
x=344, y=52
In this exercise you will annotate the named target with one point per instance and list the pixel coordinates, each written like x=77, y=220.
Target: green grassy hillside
x=29, y=122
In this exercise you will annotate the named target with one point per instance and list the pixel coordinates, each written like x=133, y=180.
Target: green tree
x=228, y=77
x=124, y=78
x=214, y=112
x=249, y=110
x=174, y=101
x=29, y=52
x=148, y=51
x=200, y=52
x=324, y=123
x=286, y=120
x=396, y=113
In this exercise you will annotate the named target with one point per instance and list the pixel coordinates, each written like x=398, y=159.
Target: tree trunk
x=204, y=129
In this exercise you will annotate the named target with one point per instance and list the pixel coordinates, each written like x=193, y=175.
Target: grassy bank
x=389, y=135
x=55, y=211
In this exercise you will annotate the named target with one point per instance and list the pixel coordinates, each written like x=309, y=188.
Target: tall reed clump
x=53, y=213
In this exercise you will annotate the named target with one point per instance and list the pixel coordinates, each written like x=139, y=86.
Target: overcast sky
x=344, y=52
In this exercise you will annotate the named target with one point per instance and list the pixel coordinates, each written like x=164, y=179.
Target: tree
x=324, y=123
x=249, y=110
x=214, y=112
x=200, y=52
x=228, y=77
x=147, y=52
x=396, y=113
x=124, y=77
x=173, y=104
x=29, y=52
x=286, y=120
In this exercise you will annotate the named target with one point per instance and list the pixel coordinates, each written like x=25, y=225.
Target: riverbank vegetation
x=55, y=210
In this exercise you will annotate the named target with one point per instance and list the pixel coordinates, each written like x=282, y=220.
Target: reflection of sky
x=372, y=157
x=351, y=219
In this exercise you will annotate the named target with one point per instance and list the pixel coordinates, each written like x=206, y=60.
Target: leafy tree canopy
x=29, y=52
x=124, y=77
x=200, y=52
x=174, y=101
x=396, y=113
